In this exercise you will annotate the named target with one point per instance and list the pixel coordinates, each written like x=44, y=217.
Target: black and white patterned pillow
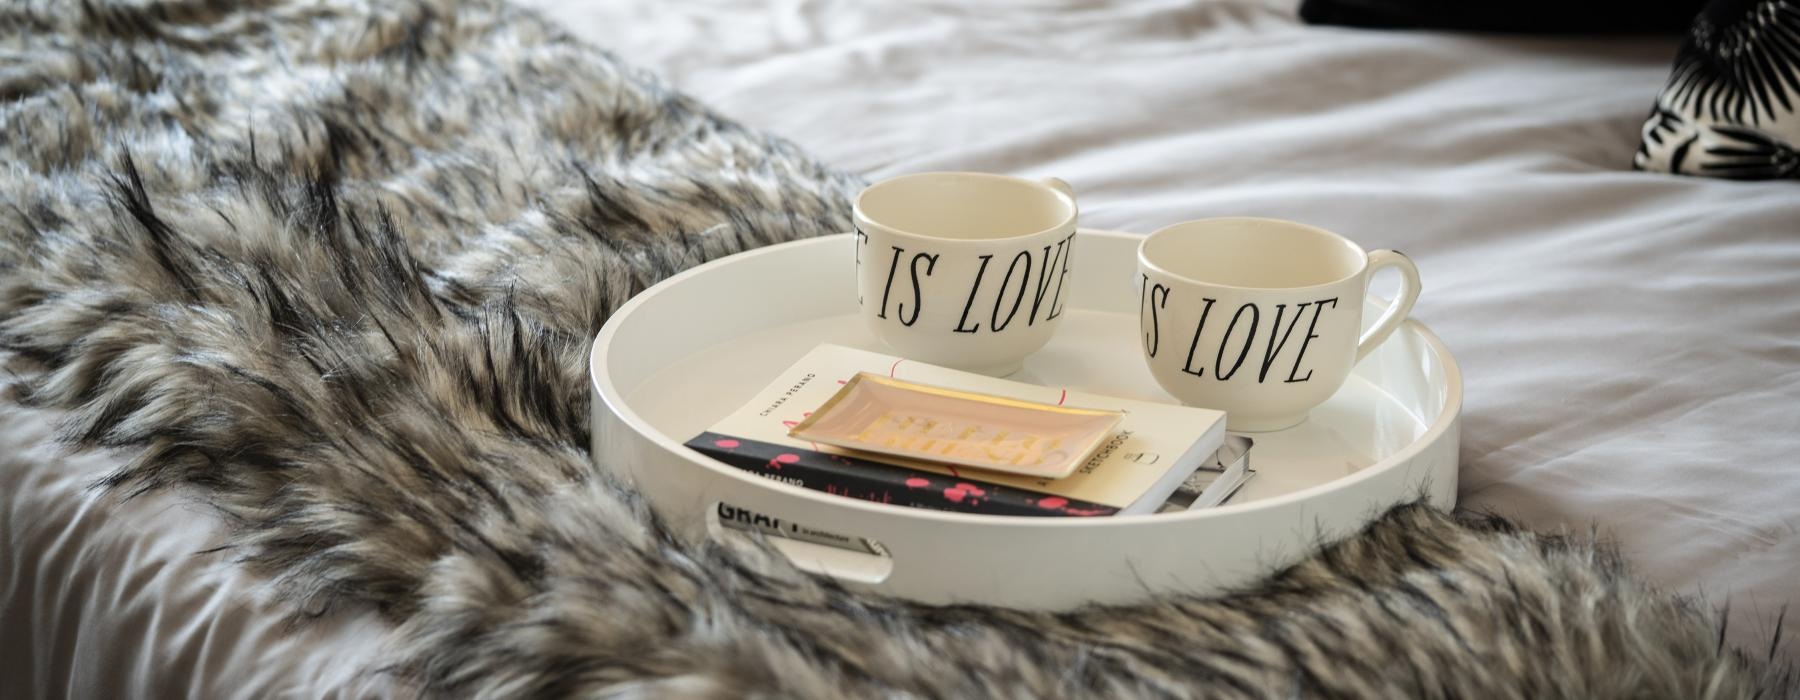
x=1732, y=105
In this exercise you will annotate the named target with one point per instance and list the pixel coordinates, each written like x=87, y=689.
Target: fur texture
x=334, y=268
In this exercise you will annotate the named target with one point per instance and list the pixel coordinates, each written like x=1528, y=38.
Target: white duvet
x=1630, y=341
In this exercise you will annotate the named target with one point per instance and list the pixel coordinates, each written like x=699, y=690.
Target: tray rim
x=608, y=393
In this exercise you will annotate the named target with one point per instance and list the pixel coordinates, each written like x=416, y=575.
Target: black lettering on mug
x=1000, y=297
x=1044, y=279
x=1056, y=299
x=962, y=324
x=893, y=267
x=1199, y=328
x=1148, y=303
x=1277, y=339
x=1219, y=372
x=1274, y=348
x=1310, y=327
x=918, y=288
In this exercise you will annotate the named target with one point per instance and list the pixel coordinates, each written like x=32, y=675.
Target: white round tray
x=686, y=352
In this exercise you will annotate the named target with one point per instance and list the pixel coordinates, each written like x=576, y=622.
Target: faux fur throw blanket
x=333, y=268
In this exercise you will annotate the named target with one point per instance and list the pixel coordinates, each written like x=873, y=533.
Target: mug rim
x=1361, y=255
x=1067, y=222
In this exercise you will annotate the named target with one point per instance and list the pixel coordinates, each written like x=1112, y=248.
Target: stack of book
x=1121, y=456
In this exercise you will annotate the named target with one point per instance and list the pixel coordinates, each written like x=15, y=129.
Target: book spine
x=855, y=477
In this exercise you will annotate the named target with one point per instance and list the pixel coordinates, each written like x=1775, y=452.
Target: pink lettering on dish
x=787, y=458
x=1053, y=502
x=726, y=443
x=954, y=495
x=917, y=483
x=973, y=490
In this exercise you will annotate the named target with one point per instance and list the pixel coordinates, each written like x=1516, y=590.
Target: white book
x=1217, y=481
x=1154, y=449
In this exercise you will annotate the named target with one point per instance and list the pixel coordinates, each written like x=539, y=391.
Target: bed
x=1627, y=338
x=1630, y=341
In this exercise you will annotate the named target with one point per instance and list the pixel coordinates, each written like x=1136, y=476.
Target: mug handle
x=1402, y=305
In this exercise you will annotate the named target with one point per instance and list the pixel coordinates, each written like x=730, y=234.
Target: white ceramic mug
x=1259, y=318
x=965, y=270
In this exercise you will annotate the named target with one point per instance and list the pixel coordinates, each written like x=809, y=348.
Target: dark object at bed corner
x=1729, y=109
x=1528, y=17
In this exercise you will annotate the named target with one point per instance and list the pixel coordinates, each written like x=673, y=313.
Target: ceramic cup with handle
x=1260, y=318
x=965, y=270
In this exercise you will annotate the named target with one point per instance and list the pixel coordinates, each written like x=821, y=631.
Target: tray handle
x=840, y=555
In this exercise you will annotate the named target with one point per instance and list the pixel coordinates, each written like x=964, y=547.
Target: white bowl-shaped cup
x=1259, y=318
x=965, y=270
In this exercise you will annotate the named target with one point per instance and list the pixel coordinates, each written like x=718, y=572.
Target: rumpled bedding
x=1630, y=341
x=107, y=599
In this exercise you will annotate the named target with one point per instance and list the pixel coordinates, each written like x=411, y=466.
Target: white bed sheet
x=103, y=598
x=1631, y=342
